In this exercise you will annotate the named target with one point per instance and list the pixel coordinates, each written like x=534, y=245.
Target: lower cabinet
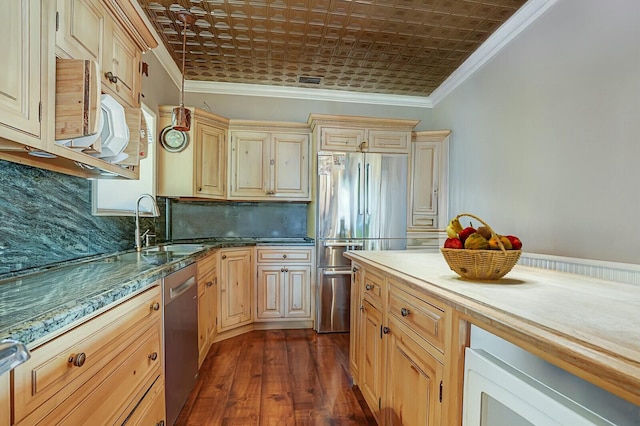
x=207, y=304
x=235, y=288
x=283, y=283
x=5, y=401
x=97, y=373
x=397, y=349
x=413, y=381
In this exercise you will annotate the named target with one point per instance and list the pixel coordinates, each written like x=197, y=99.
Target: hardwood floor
x=277, y=377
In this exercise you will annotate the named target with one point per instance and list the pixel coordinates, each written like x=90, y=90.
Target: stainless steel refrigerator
x=362, y=201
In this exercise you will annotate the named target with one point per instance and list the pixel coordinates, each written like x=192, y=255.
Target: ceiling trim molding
x=520, y=20
x=241, y=89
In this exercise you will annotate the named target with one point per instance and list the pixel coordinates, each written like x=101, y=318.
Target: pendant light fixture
x=181, y=119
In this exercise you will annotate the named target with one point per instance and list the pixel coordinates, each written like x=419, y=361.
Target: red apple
x=465, y=233
x=516, y=244
x=453, y=243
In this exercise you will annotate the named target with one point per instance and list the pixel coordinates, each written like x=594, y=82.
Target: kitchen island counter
x=587, y=326
x=38, y=305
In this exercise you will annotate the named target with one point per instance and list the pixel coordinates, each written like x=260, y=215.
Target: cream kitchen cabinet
x=121, y=65
x=5, y=400
x=80, y=29
x=98, y=372
x=235, y=293
x=269, y=161
x=428, y=181
x=283, y=283
x=26, y=69
x=200, y=169
x=366, y=134
x=397, y=348
x=207, y=304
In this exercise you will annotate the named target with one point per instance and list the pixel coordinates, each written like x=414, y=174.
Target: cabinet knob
x=284, y=256
x=368, y=287
x=209, y=283
x=160, y=423
x=281, y=269
x=386, y=330
x=405, y=312
x=112, y=78
x=199, y=189
x=362, y=307
x=270, y=192
x=355, y=269
x=153, y=356
x=224, y=256
x=286, y=269
x=78, y=360
x=155, y=306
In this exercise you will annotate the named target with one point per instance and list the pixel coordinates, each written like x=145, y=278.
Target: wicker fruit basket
x=482, y=265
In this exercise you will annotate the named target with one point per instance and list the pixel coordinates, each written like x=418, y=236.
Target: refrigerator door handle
x=343, y=244
x=359, y=186
x=334, y=273
x=366, y=183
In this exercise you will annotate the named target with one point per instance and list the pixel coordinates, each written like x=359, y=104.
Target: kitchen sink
x=176, y=249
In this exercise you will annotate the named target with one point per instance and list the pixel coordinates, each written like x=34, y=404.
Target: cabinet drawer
x=421, y=220
x=280, y=255
x=49, y=377
x=389, y=141
x=341, y=138
x=151, y=409
x=424, y=318
x=372, y=285
x=111, y=394
x=207, y=264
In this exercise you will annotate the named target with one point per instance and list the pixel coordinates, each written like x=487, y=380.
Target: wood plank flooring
x=277, y=377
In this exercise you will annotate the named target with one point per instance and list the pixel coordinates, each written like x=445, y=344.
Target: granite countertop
x=35, y=305
x=588, y=323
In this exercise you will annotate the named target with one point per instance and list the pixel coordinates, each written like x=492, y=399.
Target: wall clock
x=173, y=140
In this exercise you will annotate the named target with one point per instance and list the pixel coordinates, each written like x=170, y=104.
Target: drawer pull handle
x=153, y=356
x=112, y=78
x=78, y=360
x=155, y=306
x=368, y=286
x=405, y=312
x=209, y=283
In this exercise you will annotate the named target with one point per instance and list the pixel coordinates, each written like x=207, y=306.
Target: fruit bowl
x=481, y=264
x=476, y=263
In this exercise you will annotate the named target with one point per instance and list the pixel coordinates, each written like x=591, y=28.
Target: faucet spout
x=155, y=212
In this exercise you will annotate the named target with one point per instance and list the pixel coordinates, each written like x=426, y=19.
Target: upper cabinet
x=111, y=34
x=199, y=169
x=269, y=161
x=24, y=32
x=366, y=134
x=428, y=181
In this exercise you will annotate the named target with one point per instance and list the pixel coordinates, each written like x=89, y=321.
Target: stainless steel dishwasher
x=180, y=295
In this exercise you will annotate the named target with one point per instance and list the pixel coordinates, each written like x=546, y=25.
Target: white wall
x=545, y=139
x=298, y=110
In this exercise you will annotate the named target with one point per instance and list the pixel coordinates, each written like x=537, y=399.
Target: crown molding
x=523, y=18
x=306, y=94
x=512, y=27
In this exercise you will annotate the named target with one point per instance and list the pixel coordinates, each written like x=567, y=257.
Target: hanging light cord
x=184, y=51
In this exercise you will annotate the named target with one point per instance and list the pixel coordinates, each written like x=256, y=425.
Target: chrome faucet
x=154, y=212
x=12, y=354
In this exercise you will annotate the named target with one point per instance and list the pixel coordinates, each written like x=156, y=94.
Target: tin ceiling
x=399, y=47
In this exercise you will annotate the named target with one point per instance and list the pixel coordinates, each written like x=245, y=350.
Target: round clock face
x=173, y=140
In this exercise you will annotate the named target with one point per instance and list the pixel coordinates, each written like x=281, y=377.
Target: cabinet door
x=235, y=288
x=297, y=292
x=389, y=141
x=250, y=168
x=270, y=291
x=423, y=201
x=341, y=138
x=122, y=59
x=413, y=382
x=290, y=170
x=212, y=324
x=20, y=68
x=371, y=372
x=210, y=161
x=355, y=322
x=203, y=332
x=5, y=402
x=80, y=33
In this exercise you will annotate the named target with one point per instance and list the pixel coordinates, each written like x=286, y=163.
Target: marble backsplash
x=46, y=218
x=202, y=219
